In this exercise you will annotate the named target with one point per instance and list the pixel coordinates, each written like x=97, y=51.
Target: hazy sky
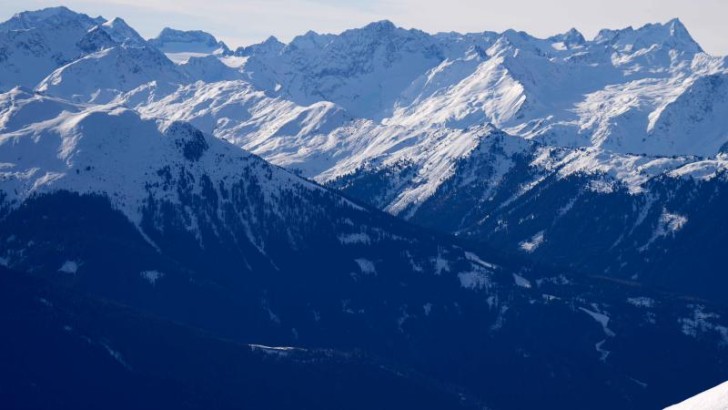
x=241, y=22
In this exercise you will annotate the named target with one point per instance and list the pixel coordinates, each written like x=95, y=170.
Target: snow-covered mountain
x=621, y=93
x=604, y=161
x=641, y=110
x=64, y=53
x=122, y=33
x=102, y=76
x=401, y=119
x=33, y=44
x=173, y=222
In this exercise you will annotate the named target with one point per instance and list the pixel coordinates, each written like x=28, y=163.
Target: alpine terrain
x=381, y=218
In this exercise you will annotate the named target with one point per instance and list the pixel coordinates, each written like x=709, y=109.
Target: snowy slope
x=163, y=218
x=616, y=94
x=713, y=399
x=633, y=91
x=276, y=128
x=696, y=122
x=530, y=87
x=82, y=148
x=102, y=76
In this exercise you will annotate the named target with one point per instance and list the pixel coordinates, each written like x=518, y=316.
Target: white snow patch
x=642, y=302
x=366, y=266
x=274, y=350
x=474, y=258
x=233, y=61
x=69, y=267
x=703, y=322
x=355, y=238
x=441, y=265
x=532, y=244
x=116, y=355
x=601, y=186
x=492, y=301
x=500, y=319
x=602, y=351
x=521, y=281
x=602, y=319
x=713, y=399
x=673, y=222
x=668, y=225
x=152, y=276
x=556, y=280
x=415, y=266
x=427, y=307
x=474, y=280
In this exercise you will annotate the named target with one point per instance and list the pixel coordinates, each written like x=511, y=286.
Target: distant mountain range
x=484, y=220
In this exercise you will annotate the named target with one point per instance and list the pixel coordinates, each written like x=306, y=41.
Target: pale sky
x=243, y=22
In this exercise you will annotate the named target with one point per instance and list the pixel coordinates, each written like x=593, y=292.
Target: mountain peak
x=572, y=37
x=45, y=13
x=96, y=39
x=676, y=23
x=516, y=36
x=272, y=40
x=519, y=39
x=672, y=34
x=310, y=40
x=172, y=40
x=382, y=25
x=117, y=22
x=121, y=32
x=678, y=30
x=170, y=35
x=51, y=16
x=270, y=45
x=377, y=29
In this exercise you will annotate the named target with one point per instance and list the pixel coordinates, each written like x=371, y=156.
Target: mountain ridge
x=631, y=107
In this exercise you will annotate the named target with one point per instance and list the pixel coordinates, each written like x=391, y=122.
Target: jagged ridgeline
x=148, y=253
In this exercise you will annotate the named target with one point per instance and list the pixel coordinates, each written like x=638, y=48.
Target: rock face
x=181, y=46
x=584, y=180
